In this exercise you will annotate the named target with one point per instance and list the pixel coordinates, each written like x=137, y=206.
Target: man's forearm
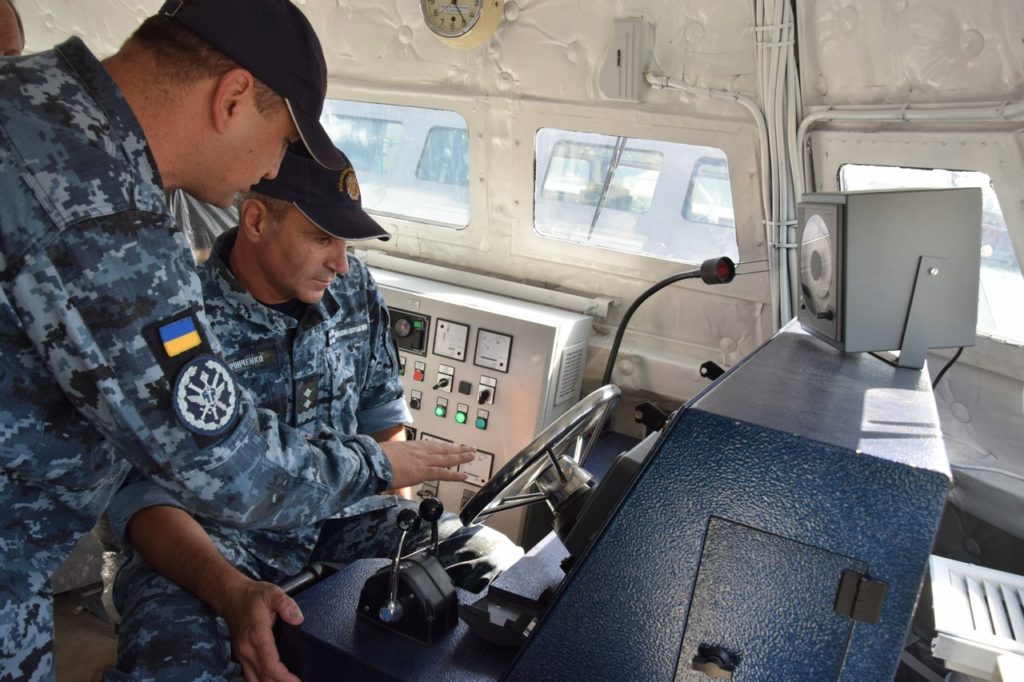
x=174, y=543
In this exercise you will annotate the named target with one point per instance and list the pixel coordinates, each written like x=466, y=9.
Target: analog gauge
x=450, y=339
x=493, y=350
x=462, y=23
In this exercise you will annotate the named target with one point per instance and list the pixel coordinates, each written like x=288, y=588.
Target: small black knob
x=442, y=383
x=408, y=519
x=431, y=509
x=483, y=396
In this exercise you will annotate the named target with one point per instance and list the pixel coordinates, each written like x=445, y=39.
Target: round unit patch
x=205, y=396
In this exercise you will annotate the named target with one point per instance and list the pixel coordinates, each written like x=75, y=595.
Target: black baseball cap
x=329, y=198
x=273, y=40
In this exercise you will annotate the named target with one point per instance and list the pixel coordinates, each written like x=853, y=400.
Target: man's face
x=252, y=150
x=10, y=37
x=298, y=260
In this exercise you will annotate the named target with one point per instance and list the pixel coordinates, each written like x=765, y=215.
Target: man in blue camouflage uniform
x=106, y=356
x=304, y=326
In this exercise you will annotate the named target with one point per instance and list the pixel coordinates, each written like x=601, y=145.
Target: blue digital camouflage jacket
x=106, y=353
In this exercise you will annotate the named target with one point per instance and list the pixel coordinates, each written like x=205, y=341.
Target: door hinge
x=860, y=597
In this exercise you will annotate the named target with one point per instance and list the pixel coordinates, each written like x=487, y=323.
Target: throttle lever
x=392, y=611
x=431, y=510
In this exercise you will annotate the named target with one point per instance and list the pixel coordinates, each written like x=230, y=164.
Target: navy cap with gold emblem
x=331, y=199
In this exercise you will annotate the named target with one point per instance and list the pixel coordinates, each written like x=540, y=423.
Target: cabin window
x=441, y=160
x=709, y=199
x=1001, y=287
x=412, y=162
x=662, y=199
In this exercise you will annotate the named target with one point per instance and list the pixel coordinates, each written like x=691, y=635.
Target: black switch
x=465, y=387
x=414, y=403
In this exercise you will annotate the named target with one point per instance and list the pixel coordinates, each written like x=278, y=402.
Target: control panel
x=482, y=369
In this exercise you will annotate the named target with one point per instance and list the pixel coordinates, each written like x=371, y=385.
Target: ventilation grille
x=570, y=375
x=979, y=614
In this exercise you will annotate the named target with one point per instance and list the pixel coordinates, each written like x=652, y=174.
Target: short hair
x=187, y=57
x=277, y=208
x=17, y=18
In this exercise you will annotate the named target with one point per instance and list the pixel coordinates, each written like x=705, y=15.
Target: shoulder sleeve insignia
x=205, y=396
x=179, y=336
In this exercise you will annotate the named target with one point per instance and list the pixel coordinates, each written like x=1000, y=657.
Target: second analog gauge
x=493, y=350
x=450, y=339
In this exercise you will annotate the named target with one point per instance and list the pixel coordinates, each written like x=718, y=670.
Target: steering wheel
x=548, y=449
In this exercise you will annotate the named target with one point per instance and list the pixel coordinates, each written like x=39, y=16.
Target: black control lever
x=392, y=610
x=413, y=596
x=431, y=510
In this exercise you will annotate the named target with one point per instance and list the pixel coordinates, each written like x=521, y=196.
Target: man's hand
x=250, y=609
x=416, y=461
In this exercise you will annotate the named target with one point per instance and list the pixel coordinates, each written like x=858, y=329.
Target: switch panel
x=476, y=341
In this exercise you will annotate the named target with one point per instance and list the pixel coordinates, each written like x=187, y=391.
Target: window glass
x=411, y=162
x=710, y=197
x=661, y=199
x=441, y=161
x=1001, y=287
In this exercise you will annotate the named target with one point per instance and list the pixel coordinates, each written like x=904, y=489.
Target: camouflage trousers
x=168, y=634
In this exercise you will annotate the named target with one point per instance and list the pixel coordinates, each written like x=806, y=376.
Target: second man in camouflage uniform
x=305, y=328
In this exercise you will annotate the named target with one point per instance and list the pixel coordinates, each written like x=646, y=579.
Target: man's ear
x=253, y=219
x=234, y=90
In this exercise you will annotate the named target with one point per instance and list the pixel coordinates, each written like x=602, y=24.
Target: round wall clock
x=463, y=23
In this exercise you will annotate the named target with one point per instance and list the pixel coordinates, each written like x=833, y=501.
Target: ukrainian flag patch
x=179, y=336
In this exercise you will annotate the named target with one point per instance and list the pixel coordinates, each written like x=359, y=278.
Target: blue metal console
x=799, y=469
x=779, y=530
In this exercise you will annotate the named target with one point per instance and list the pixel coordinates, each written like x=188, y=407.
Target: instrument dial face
x=451, y=18
x=493, y=350
x=450, y=340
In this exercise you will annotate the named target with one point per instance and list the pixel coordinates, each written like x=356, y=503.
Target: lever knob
x=408, y=520
x=431, y=509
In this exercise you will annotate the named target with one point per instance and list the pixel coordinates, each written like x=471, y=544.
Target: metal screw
x=933, y=271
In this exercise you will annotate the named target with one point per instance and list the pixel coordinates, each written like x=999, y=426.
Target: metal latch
x=714, y=661
x=860, y=597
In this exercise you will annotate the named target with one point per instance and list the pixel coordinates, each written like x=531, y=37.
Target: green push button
x=481, y=423
x=440, y=410
x=460, y=417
